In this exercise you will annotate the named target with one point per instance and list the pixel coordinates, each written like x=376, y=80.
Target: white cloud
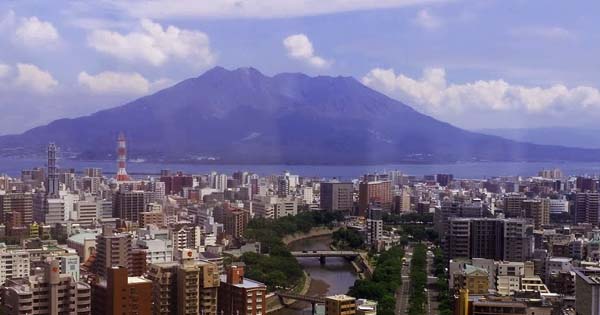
x=155, y=45
x=164, y=9
x=433, y=94
x=34, y=32
x=427, y=20
x=299, y=47
x=545, y=32
x=130, y=83
x=34, y=78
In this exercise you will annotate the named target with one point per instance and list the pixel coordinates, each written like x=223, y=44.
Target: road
x=432, y=293
x=402, y=294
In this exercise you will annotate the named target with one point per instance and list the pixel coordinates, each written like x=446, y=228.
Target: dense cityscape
x=79, y=242
x=299, y=157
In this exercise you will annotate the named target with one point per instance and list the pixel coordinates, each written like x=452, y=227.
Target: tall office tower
x=587, y=207
x=112, y=249
x=128, y=205
x=586, y=184
x=236, y=221
x=187, y=286
x=486, y=239
x=121, y=158
x=337, y=196
x=450, y=209
x=374, y=192
x=340, y=305
x=538, y=210
x=13, y=263
x=16, y=209
x=374, y=229
x=119, y=294
x=498, y=239
x=46, y=292
x=52, y=184
x=239, y=295
x=513, y=205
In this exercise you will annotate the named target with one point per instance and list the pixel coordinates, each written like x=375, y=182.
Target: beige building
x=47, y=292
x=340, y=305
x=188, y=286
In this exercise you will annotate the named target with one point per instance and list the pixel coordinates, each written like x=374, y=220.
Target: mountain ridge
x=244, y=116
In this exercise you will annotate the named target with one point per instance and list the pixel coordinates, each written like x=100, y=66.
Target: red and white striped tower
x=121, y=158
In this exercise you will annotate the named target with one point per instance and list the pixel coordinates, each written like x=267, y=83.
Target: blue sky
x=475, y=64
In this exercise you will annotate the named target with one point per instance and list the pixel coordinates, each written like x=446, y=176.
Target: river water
x=335, y=277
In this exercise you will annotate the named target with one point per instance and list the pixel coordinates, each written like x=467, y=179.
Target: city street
x=403, y=293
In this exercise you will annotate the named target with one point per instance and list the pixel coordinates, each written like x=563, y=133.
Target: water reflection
x=335, y=277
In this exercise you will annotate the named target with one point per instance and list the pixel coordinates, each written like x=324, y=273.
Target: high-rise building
x=374, y=192
x=13, y=264
x=92, y=172
x=240, y=295
x=187, y=286
x=128, y=205
x=374, y=229
x=86, y=212
x=498, y=239
x=46, y=292
x=513, y=205
x=120, y=294
x=337, y=196
x=112, y=249
x=586, y=184
x=52, y=183
x=236, y=221
x=538, y=210
x=340, y=305
x=54, y=211
x=16, y=209
x=587, y=207
x=587, y=291
x=174, y=184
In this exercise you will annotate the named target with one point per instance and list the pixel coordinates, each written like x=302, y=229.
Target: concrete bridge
x=323, y=254
x=313, y=300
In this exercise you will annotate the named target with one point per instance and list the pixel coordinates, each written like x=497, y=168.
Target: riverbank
x=274, y=303
x=314, y=232
x=335, y=277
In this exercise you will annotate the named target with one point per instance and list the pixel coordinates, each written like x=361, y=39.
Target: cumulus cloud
x=433, y=94
x=299, y=47
x=164, y=9
x=34, y=32
x=31, y=77
x=427, y=20
x=545, y=32
x=155, y=45
x=130, y=83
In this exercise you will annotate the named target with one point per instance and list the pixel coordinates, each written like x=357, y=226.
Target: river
x=335, y=277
